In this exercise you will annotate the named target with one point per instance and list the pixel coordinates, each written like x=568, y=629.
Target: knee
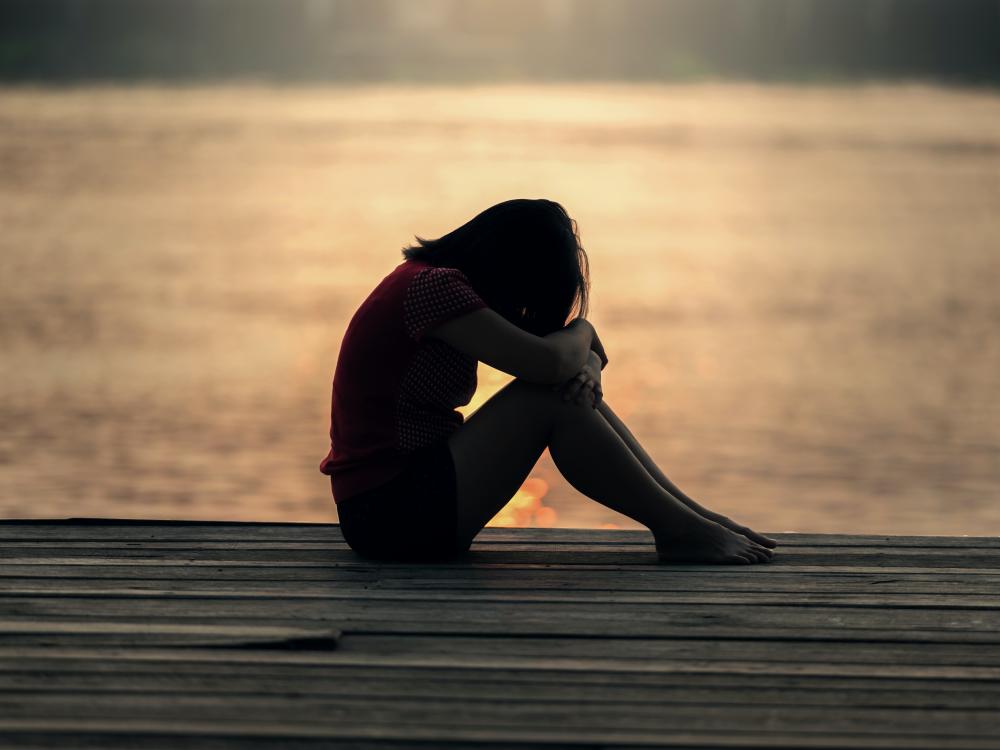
x=539, y=392
x=544, y=396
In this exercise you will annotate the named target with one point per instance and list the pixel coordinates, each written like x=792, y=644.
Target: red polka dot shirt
x=395, y=390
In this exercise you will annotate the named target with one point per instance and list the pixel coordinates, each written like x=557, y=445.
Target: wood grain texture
x=227, y=635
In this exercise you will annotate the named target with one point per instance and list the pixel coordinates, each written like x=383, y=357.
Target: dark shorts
x=412, y=517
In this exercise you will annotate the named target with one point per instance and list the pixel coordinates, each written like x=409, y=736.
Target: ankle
x=682, y=528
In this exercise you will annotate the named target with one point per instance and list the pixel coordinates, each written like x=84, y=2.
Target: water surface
x=796, y=287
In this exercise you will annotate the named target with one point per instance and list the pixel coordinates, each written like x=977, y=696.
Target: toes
x=758, y=538
x=761, y=548
x=764, y=541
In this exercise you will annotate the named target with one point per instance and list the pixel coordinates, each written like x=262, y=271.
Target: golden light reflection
x=490, y=381
x=526, y=508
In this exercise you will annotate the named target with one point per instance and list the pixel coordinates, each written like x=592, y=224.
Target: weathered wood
x=715, y=671
x=494, y=565
x=382, y=734
x=562, y=553
x=487, y=686
x=418, y=711
x=456, y=650
x=119, y=634
x=596, y=661
x=549, y=618
x=291, y=580
x=871, y=599
x=283, y=665
x=893, y=591
x=102, y=529
x=512, y=686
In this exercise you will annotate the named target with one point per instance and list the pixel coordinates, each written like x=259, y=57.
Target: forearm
x=571, y=349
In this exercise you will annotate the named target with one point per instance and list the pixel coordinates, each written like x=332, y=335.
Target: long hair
x=523, y=257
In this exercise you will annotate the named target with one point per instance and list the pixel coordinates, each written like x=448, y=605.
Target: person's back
x=395, y=391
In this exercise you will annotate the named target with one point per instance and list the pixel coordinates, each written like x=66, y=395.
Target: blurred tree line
x=459, y=40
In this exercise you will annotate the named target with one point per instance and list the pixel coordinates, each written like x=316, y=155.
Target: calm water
x=797, y=288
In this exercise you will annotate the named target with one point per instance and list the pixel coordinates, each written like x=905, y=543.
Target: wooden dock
x=225, y=635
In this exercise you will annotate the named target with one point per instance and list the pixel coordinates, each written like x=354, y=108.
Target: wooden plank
x=574, y=665
x=379, y=736
x=502, y=685
x=459, y=609
x=236, y=550
x=596, y=715
x=897, y=594
x=127, y=547
x=636, y=621
x=975, y=562
x=508, y=565
x=874, y=600
x=596, y=661
x=581, y=564
x=872, y=656
x=132, y=738
x=732, y=664
x=527, y=719
x=680, y=673
x=102, y=529
x=445, y=578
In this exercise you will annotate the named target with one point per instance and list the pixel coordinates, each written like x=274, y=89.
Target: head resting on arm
x=523, y=257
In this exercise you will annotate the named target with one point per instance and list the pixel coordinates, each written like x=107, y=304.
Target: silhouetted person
x=411, y=479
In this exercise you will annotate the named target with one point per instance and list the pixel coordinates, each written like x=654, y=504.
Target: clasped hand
x=585, y=386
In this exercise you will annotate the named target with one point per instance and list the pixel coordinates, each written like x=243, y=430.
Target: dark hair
x=523, y=257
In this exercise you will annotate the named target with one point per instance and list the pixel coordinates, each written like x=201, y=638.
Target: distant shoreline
x=273, y=84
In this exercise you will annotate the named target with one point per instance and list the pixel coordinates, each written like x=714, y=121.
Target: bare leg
x=499, y=444
x=654, y=471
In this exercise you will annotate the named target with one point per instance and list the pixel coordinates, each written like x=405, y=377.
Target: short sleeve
x=435, y=296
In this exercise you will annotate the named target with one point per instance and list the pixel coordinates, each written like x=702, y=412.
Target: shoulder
x=433, y=282
x=423, y=269
x=436, y=294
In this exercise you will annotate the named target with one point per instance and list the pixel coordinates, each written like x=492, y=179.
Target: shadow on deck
x=170, y=634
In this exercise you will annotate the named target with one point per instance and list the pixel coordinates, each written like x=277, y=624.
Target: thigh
x=496, y=447
x=412, y=517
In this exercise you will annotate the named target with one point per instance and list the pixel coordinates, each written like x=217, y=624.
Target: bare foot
x=746, y=531
x=710, y=543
